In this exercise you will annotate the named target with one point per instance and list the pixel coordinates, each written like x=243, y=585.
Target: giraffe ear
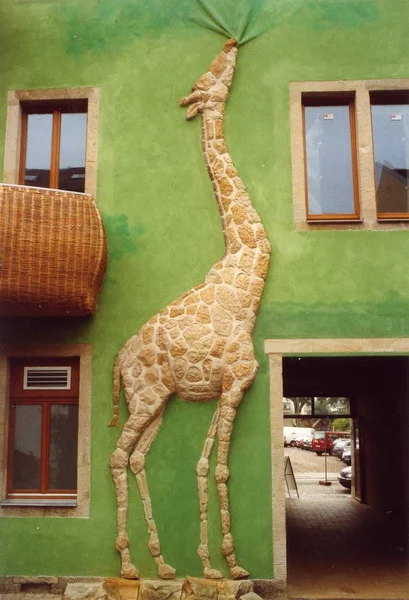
x=193, y=110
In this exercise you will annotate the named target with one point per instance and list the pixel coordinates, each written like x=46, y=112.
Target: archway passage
x=339, y=546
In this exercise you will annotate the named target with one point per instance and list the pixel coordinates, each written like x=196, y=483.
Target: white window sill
x=36, y=503
x=334, y=221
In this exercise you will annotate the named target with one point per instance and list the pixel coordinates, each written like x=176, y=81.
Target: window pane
x=27, y=447
x=329, y=160
x=390, y=126
x=38, y=152
x=331, y=406
x=72, y=152
x=62, y=472
x=299, y=406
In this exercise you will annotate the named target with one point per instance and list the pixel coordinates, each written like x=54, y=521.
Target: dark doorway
x=351, y=545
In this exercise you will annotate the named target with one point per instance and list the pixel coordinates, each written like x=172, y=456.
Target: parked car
x=307, y=443
x=346, y=456
x=323, y=441
x=299, y=441
x=344, y=477
x=291, y=434
x=338, y=449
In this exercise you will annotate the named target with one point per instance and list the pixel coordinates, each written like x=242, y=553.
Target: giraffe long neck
x=242, y=226
x=247, y=247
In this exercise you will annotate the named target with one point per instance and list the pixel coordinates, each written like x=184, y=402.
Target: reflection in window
x=331, y=406
x=53, y=147
x=27, y=447
x=62, y=467
x=390, y=127
x=72, y=152
x=43, y=432
x=330, y=161
x=38, y=151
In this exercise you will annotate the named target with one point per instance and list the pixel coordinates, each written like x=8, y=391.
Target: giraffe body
x=199, y=346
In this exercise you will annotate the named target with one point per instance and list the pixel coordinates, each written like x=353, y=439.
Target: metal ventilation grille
x=47, y=378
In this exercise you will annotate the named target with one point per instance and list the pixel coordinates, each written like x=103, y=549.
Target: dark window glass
x=330, y=178
x=390, y=128
x=43, y=431
x=38, y=151
x=62, y=467
x=53, y=147
x=72, y=152
x=27, y=447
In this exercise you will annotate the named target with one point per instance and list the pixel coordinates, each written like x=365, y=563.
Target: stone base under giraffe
x=113, y=588
x=190, y=588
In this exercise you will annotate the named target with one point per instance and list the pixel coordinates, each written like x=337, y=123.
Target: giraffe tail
x=116, y=377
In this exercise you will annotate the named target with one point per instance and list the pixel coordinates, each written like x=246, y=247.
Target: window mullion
x=45, y=447
x=354, y=156
x=55, y=150
x=23, y=148
x=12, y=420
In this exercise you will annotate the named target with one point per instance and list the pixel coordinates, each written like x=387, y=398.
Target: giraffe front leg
x=202, y=471
x=229, y=402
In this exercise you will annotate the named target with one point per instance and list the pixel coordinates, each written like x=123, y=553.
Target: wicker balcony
x=53, y=252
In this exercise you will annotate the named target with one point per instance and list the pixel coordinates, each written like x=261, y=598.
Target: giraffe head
x=212, y=88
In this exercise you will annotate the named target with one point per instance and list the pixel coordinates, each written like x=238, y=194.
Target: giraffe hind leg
x=119, y=463
x=137, y=463
x=148, y=406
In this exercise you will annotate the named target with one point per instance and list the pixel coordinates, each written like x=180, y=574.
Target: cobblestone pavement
x=338, y=548
x=308, y=465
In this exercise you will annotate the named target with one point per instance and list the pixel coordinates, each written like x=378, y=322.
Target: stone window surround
x=13, y=129
x=365, y=155
x=277, y=349
x=83, y=351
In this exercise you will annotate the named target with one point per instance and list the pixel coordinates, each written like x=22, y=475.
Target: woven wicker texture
x=53, y=252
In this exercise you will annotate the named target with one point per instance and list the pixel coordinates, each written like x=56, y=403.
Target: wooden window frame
x=384, y=97
x=56, y=109
x=16, y=99
x=361, y=90
x=46, y=398
x=333, y=99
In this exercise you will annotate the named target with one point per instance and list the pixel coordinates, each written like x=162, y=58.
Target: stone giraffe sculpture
x=200, y=346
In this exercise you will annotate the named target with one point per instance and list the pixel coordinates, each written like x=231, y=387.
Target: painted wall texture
x=164, y=233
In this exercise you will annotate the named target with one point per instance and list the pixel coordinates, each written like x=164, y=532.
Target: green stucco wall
x=164, y=233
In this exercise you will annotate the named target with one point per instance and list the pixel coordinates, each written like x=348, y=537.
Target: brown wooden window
x=390, y=134
x=53, y=145
x=330, y=157
x=43, y=428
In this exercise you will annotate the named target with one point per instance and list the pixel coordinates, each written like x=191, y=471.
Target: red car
x=322, y=441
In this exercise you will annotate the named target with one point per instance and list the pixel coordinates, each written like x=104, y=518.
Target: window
x=330, y=151
x=43, y=428
x=53, y=144
x=52, y=138
x=45, y=418
x=350, y=154
x=390, y=130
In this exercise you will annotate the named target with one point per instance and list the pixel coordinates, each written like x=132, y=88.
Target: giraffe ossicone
x=200, y=346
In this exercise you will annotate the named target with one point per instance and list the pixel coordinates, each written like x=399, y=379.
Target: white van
x=292, y=433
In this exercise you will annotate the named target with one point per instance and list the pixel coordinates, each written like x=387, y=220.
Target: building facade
x=89, y=100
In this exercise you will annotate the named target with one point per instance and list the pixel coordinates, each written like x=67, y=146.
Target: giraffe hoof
x=239, y=573
x=212, y=574
x=166, y=572
x=129, y=572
